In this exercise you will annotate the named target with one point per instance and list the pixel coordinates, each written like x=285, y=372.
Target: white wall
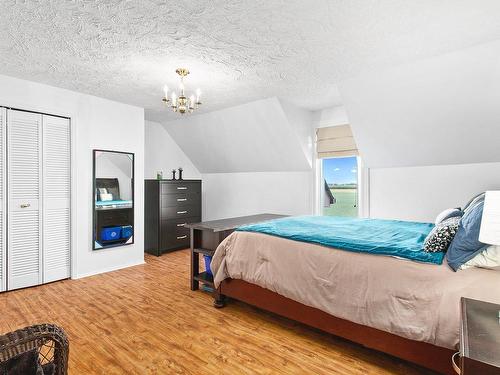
x=300, y=121
x=420, y=125
x=230, y=194
x=238, y=194
x=436, y=111
x=252, y=137
x=253, y=158
x=420, y=193
x=331, y=116
x=161, y=153
x=97, y=124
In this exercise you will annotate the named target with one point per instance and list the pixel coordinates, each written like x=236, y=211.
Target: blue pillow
x=477, y=198
x=466, y=243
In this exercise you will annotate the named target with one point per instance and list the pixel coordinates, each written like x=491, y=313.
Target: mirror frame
x=94, y=211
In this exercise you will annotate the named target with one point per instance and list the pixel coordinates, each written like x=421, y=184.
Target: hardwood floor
x=146, y=320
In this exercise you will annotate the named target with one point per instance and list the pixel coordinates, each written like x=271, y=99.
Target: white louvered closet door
x=56, y=198
x=24, y=260
x=3, y=200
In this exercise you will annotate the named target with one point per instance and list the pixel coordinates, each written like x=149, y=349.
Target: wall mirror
x=113, y=199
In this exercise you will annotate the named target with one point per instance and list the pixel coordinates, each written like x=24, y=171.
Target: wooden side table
x=479, y=338
x=206, y=236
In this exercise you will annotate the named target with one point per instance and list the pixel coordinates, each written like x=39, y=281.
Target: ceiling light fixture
x=181, y=103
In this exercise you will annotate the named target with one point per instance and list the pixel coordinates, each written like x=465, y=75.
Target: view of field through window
x=341, y=177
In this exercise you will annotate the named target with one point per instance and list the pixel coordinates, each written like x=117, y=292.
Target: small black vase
x=173, y=174
x=180, y=173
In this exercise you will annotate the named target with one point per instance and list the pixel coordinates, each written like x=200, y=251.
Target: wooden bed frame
x=424, y=354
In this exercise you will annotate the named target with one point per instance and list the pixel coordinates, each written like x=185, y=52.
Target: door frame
x=58, y=111
x=3, y=228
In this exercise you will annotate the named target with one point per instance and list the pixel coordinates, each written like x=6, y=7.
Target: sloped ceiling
x=253, y=137
x=238, y=51
x=440, y=110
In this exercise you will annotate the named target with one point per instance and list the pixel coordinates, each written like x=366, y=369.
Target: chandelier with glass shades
x=180, y=102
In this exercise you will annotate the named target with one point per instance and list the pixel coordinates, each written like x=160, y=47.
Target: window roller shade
x=335, y=141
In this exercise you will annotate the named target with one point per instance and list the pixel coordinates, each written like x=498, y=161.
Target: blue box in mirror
x=111, y=233
x=127, y=231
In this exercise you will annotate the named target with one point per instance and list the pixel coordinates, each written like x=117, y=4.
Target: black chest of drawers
x=168, y=207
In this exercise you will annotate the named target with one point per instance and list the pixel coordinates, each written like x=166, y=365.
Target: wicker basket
x=49, y=340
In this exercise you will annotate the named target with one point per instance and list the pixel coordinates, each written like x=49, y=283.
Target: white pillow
x=489, y=258
x=446, y=214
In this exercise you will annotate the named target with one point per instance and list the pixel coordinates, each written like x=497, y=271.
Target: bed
x=110, y=187
x=403, y=307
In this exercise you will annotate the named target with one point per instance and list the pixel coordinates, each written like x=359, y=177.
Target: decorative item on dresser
x=168, y=207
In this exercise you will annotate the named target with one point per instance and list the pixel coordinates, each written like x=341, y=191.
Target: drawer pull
x=181, y=199
x=25, y=205
x=181, y=237
x=182, y=212
x=181, y=225
x=181, y=187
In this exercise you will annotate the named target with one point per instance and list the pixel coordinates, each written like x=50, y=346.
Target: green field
x=345, y=205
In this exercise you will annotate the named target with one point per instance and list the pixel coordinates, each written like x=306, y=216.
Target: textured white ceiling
x=238, y=51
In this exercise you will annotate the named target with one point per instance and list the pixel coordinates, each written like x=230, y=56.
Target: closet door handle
x=181, y=188
x=181, y=225
x=181, y=199
x=181, y=237
x=25, y=205
x=182, y=212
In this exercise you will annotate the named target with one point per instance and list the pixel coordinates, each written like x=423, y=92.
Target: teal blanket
x=403, y=239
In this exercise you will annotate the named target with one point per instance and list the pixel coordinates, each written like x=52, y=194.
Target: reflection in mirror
x=113, y=199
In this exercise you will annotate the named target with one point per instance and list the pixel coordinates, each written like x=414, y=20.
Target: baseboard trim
x=108, y=269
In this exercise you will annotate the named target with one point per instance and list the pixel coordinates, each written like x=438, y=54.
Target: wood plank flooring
x=146, y=320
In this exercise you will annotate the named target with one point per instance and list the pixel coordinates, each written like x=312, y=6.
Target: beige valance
x=335, y=141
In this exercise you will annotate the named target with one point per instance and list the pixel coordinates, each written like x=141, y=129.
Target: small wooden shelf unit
x=207, y=235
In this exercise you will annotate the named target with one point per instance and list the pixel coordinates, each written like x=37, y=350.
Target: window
x=340, y=193
x=341, y=178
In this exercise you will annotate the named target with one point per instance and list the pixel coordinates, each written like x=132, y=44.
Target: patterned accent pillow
x=446, y=214
x=441, y=235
